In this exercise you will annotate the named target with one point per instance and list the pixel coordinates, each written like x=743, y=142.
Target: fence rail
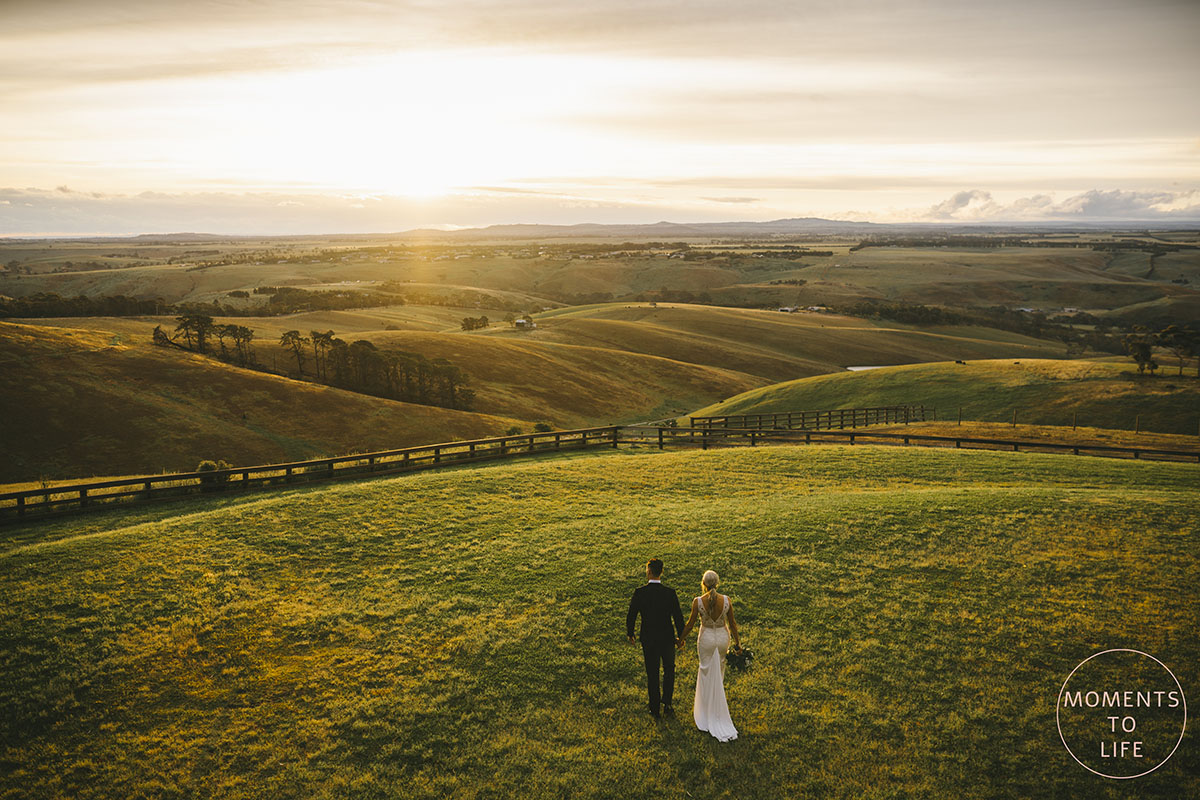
x=52, y=500
x=32, y=504
x=839, y=418
x=710, y=437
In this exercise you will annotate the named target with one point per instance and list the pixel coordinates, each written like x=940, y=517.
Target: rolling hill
x=770, y=344
x=80, y=402
x=460, y=634
x=1044, y=392
x=832, y=267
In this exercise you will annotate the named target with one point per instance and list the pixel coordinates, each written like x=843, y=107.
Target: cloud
x=44, y=212
x=973, y=204
x=1095, y=205
x=732, y=199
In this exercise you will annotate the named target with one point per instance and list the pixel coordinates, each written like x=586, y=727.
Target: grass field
x=1049, y=278
x=92, y=396
x=460, y=633
x=79, y=403
x=770, y=344
x=1044, y=392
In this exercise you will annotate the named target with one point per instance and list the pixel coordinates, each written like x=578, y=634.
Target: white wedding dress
x=711, y=710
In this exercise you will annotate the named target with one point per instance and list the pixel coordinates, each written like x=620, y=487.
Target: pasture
x=1044, y=392
x=460, y=633
x=1130, y=284
x=80, y=403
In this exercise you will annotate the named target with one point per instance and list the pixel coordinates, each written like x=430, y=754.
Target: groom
x=659, y=607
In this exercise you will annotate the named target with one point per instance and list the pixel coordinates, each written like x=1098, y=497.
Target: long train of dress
x=711, y=710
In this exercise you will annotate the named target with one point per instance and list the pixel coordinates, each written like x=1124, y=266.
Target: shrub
x=513, y=431
x=210, y=482
x=542, y=427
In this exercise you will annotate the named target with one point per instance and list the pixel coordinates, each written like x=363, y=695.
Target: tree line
x=1182, y=341
x=357, y=366
x=360, y=366
x=197, y=332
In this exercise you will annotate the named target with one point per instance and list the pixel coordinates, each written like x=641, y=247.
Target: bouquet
x=739, y=658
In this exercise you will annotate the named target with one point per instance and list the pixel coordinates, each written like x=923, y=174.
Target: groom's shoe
x=669, y=709
x=654, y=713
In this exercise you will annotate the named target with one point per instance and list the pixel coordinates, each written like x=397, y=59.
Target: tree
x=1140, y=346
x=1183, y=342
x=296, y=343
x=203, y=326
x=241, y=340
x=223, y=332
x=186, y=326
x=321, y=343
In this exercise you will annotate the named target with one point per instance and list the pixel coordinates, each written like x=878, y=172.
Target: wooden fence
x=40, y=503
x=52, y=500
x=710, y=437
x=839, y=418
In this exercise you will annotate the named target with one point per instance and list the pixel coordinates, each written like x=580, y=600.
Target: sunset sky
x=264, y=116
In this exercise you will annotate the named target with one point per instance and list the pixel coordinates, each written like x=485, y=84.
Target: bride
x=716, y=613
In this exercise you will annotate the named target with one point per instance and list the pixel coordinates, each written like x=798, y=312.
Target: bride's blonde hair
x=710, y=581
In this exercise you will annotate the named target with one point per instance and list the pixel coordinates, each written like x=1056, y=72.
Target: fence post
x=660, y=438
x=1137, y=425
x=960, y=415
x=615, y=433
x=437, y=455
x=704, y=439
x=1014, y=422
x=21, y=505
x=752, y=438
x=1074, y=421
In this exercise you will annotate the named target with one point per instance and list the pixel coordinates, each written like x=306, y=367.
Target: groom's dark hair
x=655, y=566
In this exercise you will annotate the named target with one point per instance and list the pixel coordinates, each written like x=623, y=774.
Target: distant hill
x=1043, y=391
x=663, y=229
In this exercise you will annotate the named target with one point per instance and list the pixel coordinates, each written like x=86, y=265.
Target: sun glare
x=412, y=125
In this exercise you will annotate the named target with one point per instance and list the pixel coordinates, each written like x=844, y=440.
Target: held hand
x=632, y=640
x=680, y=642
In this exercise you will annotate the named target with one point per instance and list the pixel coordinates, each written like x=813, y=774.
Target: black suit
x=659, y=607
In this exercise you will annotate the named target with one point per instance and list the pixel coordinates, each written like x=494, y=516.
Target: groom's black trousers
x=655, y=653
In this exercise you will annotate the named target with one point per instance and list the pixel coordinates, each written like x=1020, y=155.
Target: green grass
x=772, y=345
x=461, y=633
x=1043, y=391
